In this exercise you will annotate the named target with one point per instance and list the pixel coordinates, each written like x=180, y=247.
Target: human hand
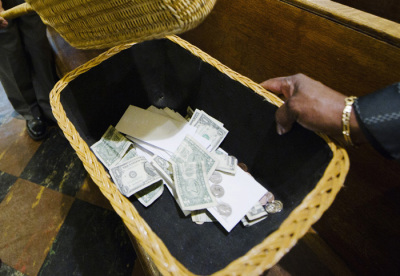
x=311, y=104
x=3, y=22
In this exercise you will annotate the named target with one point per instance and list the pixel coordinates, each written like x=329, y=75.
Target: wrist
x=346, y=116
x=351, y=131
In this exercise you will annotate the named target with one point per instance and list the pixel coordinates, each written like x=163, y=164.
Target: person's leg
x=42, y=60
x=15, y=74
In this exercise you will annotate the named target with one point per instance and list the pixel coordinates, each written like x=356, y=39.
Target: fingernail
x=280, y=129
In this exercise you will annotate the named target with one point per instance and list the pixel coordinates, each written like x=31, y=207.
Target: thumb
x=285, y=118
x=3, y=22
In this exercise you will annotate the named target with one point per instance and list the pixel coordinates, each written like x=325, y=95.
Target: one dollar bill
x=209, y=128
x=191, y=151
x=134, y=175
x=192, y=186
x=150, y=194
x=111, y=147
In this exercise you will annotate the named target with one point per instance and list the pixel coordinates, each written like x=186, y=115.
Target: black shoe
x=37, y=128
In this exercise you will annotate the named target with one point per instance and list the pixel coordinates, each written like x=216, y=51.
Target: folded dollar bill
x=226, y=163
x=192, y=186
x=164, y=168
x=192, y=151
x=134, y=175
x=247, y=223
x=111, y=147
x=150, y=194
x=130, y=153
x=201, y=216
x=256, y=212
x=209, y=128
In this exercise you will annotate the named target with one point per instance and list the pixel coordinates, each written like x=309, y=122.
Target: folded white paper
x=155, y=150
x=241, y=193
x=153, y=128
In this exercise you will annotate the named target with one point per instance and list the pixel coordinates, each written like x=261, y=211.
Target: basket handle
x=17, y=11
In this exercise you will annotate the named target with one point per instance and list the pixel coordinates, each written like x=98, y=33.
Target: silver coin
x=224, y=209
x=274, y=207
x=217, y=190
x=216, y=178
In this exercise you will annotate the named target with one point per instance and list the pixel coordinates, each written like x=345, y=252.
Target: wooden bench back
x=351, y=51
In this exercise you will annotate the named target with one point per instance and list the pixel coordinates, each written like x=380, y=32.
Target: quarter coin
x=216, y=178
x=274, y=207
x=224, y=209
x=217, y=190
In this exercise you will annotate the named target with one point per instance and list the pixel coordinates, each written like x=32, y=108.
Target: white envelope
x=241, y=193
x=153, y=128
x=155, y=150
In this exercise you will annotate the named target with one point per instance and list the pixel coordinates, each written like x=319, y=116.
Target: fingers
x=281, y=85
x=285, y=115
x=3, y=23
x=273, y=85
x=285, y=118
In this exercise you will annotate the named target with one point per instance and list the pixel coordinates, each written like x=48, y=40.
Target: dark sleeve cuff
x=378, y=115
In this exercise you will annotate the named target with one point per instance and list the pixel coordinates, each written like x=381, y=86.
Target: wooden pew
x=389, y=9
x=350, y=51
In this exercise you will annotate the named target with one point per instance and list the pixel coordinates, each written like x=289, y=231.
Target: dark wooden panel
x=264, y=39
x=389, y=9
x=68, y=58
x=364, y=22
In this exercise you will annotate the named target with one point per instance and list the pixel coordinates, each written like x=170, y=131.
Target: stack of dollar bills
x=153, y=148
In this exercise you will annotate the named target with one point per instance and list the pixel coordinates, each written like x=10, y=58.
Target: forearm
x=378, y=117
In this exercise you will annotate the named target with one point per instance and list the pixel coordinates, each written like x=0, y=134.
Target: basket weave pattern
x=99, y=24
x=259, y=258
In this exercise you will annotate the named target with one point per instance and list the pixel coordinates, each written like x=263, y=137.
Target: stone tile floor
x=52, y=216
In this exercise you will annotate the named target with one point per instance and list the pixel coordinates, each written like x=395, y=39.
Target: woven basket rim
x=261, y=257
x=101, y=24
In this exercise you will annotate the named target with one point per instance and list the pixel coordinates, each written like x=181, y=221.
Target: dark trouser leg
x=15, y=72
x=43, y=66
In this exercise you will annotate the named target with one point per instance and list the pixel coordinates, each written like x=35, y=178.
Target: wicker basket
x=97, y=24
x=303, y=169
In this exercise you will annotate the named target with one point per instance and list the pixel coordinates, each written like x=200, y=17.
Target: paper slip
x=154, y=109
x=144, y=153
x=155, y=150
x=174, y=115
x=153, y=128
x=241, y=193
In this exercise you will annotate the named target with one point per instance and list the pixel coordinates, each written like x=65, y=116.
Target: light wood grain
x=368, y=23
x=264, y=39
